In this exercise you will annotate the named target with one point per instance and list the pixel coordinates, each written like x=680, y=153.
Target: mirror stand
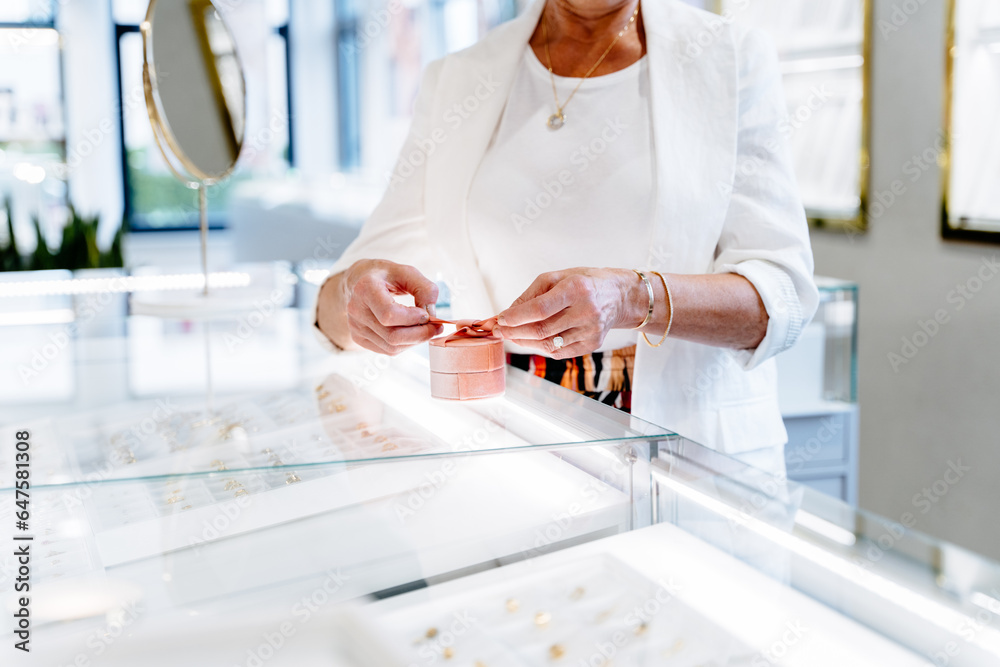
x=196, y=100
x=203, y=227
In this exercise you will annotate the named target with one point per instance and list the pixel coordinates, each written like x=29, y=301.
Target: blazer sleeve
x=765, y=236
x=397, y=228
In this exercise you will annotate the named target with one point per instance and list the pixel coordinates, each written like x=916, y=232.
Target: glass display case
x=817, y=389
x=228, y=493
x=824, y=50
x=970, y=150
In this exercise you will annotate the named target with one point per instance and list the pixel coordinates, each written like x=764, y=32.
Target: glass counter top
x=365, y=408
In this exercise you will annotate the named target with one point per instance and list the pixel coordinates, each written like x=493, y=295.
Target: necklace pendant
x=556, y=120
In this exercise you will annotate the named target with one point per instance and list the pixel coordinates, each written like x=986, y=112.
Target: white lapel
x=693, y=98
x=694, y=117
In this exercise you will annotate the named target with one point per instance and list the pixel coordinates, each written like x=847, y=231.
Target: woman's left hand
x=579, y=305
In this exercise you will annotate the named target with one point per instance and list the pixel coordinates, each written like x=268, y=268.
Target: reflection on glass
x=821, y=47
x=973, y=196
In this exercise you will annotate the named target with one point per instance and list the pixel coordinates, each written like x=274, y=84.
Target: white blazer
x=726, y=202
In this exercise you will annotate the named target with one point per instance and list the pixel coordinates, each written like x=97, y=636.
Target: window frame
x=216, y=222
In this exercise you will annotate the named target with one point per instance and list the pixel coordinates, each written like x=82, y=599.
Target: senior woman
x=644, y=140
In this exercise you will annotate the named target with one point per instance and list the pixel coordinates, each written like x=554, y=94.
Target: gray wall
x=943, y=405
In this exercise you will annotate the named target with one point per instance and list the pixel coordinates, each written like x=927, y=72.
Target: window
x=154, y=199
x=382, y=49
x=33, y=167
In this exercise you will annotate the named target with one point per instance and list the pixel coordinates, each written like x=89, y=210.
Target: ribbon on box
x=468, y=363
x=467, y=328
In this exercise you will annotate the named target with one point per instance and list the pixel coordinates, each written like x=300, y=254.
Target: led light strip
x=121, y=284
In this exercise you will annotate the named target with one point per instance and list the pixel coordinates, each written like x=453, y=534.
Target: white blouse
x=580, y=196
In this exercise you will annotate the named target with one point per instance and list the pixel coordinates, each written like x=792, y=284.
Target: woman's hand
x=375, y=319
x=580, y=305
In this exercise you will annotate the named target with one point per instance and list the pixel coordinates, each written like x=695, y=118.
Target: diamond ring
x=558, y=342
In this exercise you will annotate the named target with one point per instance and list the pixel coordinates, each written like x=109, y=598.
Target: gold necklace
x=558, y=119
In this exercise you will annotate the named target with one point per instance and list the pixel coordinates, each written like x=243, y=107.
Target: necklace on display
x=558, y=119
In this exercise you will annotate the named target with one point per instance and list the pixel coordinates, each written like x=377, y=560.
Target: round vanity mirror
x=195, y=92
x=196, y=100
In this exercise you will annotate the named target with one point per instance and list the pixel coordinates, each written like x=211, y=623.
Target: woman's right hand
x=376, y=321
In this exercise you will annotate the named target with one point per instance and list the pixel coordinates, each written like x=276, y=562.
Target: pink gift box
x=468, y=364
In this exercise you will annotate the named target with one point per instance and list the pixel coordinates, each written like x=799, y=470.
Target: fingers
x=575, y=344
x=411, y=281
x=392, y=341
x=538, y=331
x=376, y=290
x=543, y=305
x=377, y=321
x=541, y=284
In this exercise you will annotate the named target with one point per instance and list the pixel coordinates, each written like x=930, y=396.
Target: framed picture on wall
x=971, y=152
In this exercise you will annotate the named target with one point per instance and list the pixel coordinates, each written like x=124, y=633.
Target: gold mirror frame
x=166, y=142
x=948, y=229
x=858, y=222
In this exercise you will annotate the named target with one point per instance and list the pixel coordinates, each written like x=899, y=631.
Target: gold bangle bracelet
x=670, y=316
x=649, y=290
